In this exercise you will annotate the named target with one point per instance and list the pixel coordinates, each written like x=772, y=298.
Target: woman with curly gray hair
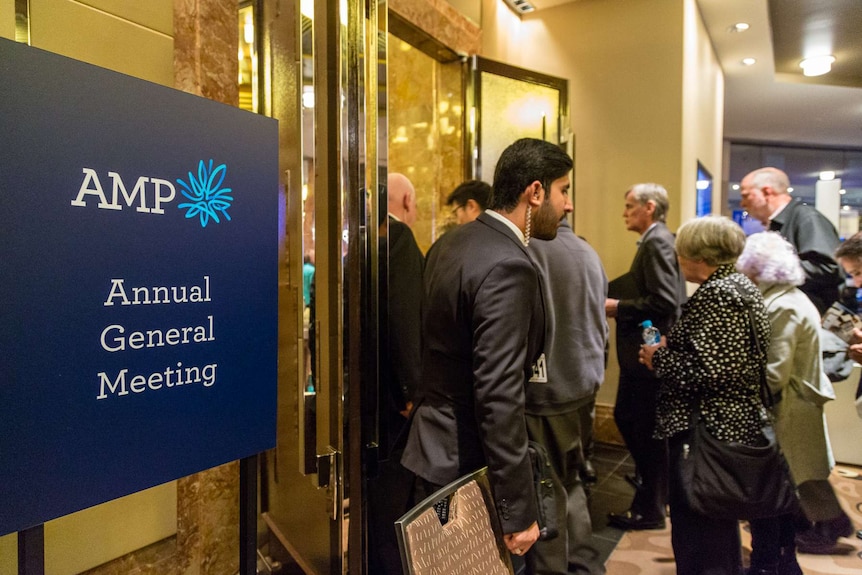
x=800, y=388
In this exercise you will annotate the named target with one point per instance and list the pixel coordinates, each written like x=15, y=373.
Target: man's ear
x=649, y=206
x=535, y=193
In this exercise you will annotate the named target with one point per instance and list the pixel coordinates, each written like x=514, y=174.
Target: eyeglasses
x=455, y=210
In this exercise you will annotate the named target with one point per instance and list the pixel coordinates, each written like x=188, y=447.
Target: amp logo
x=207, y=199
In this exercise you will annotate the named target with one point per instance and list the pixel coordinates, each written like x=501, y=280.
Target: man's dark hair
x=851, y=248
x=470, y=190
x=521, y=164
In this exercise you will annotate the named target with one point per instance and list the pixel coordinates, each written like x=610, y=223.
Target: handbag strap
x=766, y=395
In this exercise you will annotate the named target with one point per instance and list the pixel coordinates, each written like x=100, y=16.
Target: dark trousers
x=390, y=495
x=769, y=536
x=634, y=414
x=701, y=545
x=572, y=551
x=587, y=416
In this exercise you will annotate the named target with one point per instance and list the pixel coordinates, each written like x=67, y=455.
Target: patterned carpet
x=649, y=552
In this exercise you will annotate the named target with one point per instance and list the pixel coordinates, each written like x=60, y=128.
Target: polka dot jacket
x=711, y=364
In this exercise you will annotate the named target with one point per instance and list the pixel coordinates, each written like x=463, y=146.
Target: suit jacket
x=401, y=373
x=815, y=240
x=658, y=290
x=483, y=328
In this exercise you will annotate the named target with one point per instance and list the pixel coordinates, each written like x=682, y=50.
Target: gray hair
x=772, y=177
x=642, y=193
x=770, y=259
x=715, y=240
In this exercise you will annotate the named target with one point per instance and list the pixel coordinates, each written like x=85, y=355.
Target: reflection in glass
x=513, y=109
x=426, y=140
x=247, y=54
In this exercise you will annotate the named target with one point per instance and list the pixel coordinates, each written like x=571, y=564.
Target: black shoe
x=815, y=543
x=588, y=473
x=632, y=521
x=836, y=527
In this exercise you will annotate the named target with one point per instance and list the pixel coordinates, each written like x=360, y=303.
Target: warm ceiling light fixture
x=817, y=65
x=520, y=6
x=739, y=27
x=748, y=61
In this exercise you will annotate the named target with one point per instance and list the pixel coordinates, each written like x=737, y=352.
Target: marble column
x=205, y=63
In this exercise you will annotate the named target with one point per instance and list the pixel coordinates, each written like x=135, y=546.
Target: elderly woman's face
x=853, y=267
x=689, y=269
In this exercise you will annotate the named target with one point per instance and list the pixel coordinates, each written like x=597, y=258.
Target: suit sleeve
x=503, y=310
x=405, y=315
x=660, y=288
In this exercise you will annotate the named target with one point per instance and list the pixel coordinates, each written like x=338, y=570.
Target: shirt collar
x=508, y=223
x=778, y=211
x=643, y=235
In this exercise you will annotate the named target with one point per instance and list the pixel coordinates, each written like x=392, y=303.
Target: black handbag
x=544, y=482
x=730, y=480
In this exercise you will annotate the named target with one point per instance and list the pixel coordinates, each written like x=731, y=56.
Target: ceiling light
x=748, y=61
x=817, y=65
x=520, y=6
x=827, y=175
x=842, y=191
x=790, y=190
x=739, y=27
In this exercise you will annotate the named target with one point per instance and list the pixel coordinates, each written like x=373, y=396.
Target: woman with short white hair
x=800, y=388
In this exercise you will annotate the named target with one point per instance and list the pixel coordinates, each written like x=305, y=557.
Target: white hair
x=770, y=259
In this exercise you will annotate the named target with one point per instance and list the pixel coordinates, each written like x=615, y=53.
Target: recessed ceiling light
x=520, y=6
x=827, y=175
x=748, y=61
x=817, y=65
x=739, y=27
x=790, y=190
x=842, y=191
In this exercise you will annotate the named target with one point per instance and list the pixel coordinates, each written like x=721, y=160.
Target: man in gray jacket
x=566, y=379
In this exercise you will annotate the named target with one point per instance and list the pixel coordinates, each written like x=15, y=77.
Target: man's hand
x=519, y=543
x=611, y=306
x=405, y=413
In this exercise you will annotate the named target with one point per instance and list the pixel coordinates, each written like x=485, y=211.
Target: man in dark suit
x=653, y=289
x=764, y=194
x=483, y=328
x=389, y=493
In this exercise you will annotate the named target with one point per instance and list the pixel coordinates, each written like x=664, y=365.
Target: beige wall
x=7, y=19
x=134, y=38
x=645, y=102
x=703, y=112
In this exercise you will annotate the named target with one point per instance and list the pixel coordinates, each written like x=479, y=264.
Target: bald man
x=764, y=194
x=402, y=198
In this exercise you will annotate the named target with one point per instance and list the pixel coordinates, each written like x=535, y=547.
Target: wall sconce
x=817, y=65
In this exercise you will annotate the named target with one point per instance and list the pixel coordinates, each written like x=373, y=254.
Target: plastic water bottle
x=651, y=335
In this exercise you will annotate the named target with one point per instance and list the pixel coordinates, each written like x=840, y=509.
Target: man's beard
x=545, y=222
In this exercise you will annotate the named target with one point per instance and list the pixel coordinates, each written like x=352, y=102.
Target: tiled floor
x=650, y=553
x=610, y=493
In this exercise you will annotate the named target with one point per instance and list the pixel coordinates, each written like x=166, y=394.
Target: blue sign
x=138, y=295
